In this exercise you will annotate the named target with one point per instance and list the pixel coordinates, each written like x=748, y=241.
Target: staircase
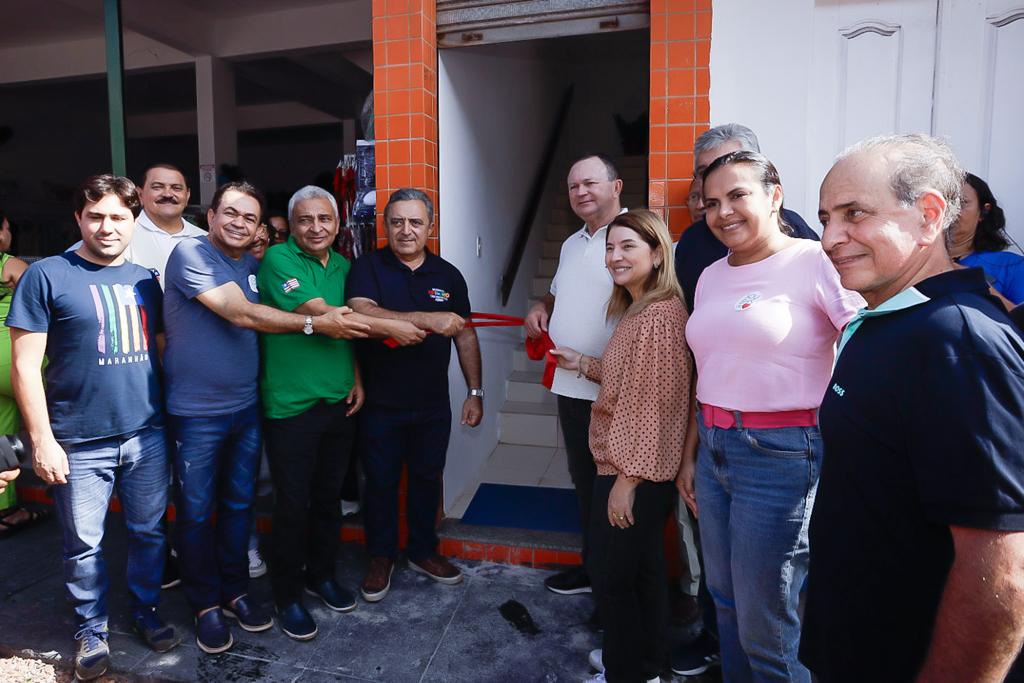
x=529, y=416
x=531, y=448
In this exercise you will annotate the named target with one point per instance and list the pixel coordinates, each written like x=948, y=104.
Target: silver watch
x=476, y=392
x=308, y=327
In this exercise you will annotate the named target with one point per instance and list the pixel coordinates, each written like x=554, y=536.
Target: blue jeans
x=387, y=439
x=136, y=464
x=216, y=460
x=755, y=491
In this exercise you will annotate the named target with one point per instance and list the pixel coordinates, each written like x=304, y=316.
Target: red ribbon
x=477, y=320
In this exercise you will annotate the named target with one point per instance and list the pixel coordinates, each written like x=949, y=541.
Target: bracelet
x=579, y=370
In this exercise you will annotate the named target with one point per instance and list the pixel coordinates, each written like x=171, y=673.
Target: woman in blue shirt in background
x=979, y=240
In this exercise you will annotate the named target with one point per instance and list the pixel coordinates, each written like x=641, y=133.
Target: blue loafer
x=212, y=632
x=296, y=622
x=250, y=616
x=333, y=595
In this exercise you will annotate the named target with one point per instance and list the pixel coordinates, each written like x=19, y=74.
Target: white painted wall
x=808, y=83
x=495, y=110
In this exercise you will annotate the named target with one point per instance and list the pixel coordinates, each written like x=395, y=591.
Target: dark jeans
x=136, y=466
x=574, y=416
x=308, y=456
x=387, y=439
x=627, y=569
x=215, y=464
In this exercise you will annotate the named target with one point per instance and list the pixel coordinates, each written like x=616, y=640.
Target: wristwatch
x=308, y=327
x=476, y=392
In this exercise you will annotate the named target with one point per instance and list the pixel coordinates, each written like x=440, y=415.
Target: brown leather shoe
x=378, y=579
x=437, y=568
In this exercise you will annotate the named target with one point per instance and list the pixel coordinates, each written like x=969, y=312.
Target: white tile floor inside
x=518, y=465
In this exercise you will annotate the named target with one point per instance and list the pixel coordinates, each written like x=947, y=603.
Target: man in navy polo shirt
x=917, y=550
x=407, y=416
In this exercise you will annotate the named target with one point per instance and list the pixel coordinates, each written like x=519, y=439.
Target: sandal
x=35, y=515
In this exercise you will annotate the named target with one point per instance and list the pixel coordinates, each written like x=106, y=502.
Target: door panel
x=978, y=96
x=873, y=72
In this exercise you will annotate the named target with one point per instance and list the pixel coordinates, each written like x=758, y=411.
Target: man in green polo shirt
x=311, y=389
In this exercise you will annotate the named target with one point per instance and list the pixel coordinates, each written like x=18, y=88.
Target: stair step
x=547, y=267
x=525, y=386
x=522, y=362
x=558, y=232
x=529, y=408
x=564, y=216
x=540, y=549
x=529, y=424
x=551, y=249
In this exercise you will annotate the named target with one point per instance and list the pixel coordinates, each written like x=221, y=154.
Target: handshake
x=12, y=453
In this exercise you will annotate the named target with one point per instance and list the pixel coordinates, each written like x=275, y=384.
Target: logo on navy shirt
x=838, y=389
x=438, y=295
x=748, y=301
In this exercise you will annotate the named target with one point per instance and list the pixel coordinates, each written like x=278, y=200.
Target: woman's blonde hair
x=662, y=283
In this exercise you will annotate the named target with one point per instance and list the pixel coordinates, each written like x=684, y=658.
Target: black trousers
x=627, y=570
x=574, y=416
x=308, y=455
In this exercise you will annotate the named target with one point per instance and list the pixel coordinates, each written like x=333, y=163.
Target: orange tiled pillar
x=680, y=83
x=405, y=99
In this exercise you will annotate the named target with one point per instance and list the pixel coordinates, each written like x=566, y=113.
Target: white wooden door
x=872, y=73
x=979, y=95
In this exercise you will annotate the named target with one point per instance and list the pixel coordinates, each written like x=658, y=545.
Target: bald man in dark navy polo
x=917, y=535
x=407, y=418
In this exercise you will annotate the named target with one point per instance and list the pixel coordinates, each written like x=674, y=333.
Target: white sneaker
x=597, y=663
x=350, y=507
x=257, y=567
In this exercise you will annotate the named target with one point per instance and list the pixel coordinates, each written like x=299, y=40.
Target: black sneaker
x=158, y=634
x=250, y=616
x=172, y=577
x=696, y=657
x=569, y=582
x=296, y=621
x=212, y=632
x=92, y=658
x=333, y=595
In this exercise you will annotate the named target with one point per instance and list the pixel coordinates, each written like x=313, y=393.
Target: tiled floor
x=518, y=465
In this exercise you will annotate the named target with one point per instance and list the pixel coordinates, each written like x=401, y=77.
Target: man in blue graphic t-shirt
x=98, y=424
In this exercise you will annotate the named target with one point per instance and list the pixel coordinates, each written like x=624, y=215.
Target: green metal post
x=115, y=84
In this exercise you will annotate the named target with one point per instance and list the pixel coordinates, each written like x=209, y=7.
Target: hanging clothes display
x=355, y=191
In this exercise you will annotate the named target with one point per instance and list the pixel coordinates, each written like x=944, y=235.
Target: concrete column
x=215, y=111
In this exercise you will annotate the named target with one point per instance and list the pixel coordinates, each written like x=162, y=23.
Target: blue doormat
x=524, y=507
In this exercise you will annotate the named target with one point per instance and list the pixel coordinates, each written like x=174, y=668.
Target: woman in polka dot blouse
x=638, y=426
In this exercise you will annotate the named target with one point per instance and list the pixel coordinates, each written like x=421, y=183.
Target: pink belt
x=727, y=419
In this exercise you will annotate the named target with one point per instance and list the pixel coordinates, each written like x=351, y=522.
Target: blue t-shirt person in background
x=98, y=423
x=980, y=240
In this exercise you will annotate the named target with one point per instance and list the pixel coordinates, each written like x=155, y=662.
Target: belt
x=727, y=419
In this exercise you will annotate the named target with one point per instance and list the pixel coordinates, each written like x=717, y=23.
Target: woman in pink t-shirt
x=763, y=331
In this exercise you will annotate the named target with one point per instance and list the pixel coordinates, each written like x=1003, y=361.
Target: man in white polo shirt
x=160, y=227
x=575, y=309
